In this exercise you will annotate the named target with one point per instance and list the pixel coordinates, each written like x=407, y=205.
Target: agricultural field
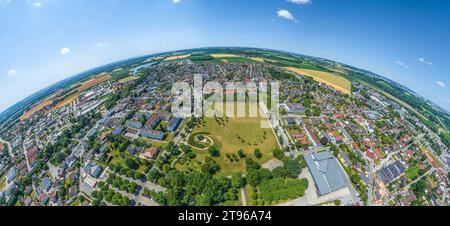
x=179, y=57
x=229, y=135
x=37, y=107
x=128, y=79
x=224, y=55
x=337, y=82
x=66, y=96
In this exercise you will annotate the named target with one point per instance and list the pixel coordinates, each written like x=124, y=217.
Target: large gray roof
x=327, y=174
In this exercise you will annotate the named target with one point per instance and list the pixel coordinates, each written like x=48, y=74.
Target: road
x=139, y=198
x=407, y=187
x=276, y=128
x=244, y=201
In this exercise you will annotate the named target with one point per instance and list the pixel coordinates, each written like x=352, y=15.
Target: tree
x=241, y=154
x=292, y=168
x=213, y=151
x=210, y=166
x=258, y=153
x=279, y=154
x=251, y=164
x=131, y=163
x=237, y=181
x=253, y=177
x=279, y=172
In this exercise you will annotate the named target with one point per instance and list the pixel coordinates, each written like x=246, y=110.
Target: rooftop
x=327, y=174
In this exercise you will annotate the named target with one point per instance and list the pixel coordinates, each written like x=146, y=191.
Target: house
x=12, y=173
x=134, y=124
x=92, y=169
x=73, y=191
x=43, y=198
x=347, y=161
x=378, y=153
x=408, y=199
x=118, y=130
x=153, y=121
x=151, y=153
x=370, y=154
x=27, y=201
x=312, y=136
x=173, y=124
x=338, y=138
x=291, y=121
x=301, y=138
x=72, y=176
x=46, y=184
x=389, y=173
x=152, y=134
x=293, y=108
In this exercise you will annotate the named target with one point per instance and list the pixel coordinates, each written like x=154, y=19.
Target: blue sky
x=45, y=41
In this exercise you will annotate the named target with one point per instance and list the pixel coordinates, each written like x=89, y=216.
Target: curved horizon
x=87, y=71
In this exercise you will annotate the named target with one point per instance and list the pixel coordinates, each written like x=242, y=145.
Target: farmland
x=65, y=97
x=179, y=57
x=339, y=83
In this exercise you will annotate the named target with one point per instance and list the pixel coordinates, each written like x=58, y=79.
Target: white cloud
x=286, y=14
x=300, y=2
x=101, y=44
x=440, y=84
x=423, y=61
x=65, y=51
x=176, y=1
x=12, y=72
x=402, y=64
x=37, y=4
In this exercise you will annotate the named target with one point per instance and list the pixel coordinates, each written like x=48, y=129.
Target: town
x=113, y=140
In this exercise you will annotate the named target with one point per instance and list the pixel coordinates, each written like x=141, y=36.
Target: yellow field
x=223, y=55
x=177, y=57
x=337, y=82
x=37, y=108
x=68, y=98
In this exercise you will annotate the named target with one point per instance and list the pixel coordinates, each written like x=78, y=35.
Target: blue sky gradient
x=407, y=41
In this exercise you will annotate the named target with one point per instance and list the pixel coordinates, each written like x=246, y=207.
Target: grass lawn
x=337, y=82
x=248, y=195
x=229, y=137
x=119, y=159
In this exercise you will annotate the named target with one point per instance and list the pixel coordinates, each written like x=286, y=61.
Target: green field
x=225, y=136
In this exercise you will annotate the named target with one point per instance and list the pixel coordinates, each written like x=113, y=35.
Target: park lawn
x=225, y=137
x=337, y=82
x=412, y=173
x=156, y=143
